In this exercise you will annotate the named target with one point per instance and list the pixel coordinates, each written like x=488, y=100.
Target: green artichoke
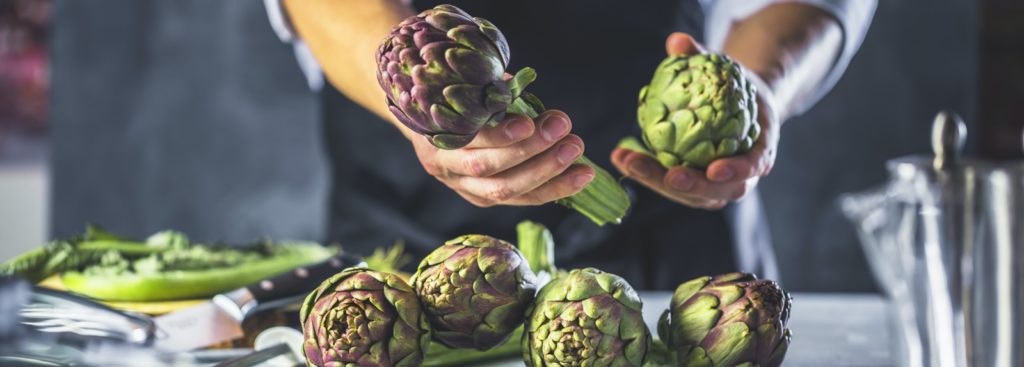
x=586, y=318
x=361, y=317
x=443, y=72
x=698, y=108
x=729, y=320
x=474, y=290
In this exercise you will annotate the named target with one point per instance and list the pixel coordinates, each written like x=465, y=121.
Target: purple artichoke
x=726, y=321
x=474, y=290
x=360, y=317
x=443, y=72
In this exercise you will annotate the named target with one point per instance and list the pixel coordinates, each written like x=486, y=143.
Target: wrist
x=767, y=100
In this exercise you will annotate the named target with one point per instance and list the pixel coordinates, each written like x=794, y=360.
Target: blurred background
x=919, y=57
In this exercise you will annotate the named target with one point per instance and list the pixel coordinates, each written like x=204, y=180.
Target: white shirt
x=854, y=16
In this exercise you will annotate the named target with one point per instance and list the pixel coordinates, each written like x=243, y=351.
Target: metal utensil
x=944, y=239
x=257, y=357
x=220, y=318
x=52, y=311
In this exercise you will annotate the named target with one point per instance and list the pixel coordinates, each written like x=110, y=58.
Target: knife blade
x=220, y=318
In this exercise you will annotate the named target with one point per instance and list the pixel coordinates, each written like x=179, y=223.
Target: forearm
x=791, y=46
x=343, y=36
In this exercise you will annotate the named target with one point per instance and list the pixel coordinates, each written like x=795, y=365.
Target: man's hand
x=726, y=179
x=519, y=162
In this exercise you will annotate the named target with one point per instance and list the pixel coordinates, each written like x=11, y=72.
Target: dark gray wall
x=181, y=114
x=919, y=57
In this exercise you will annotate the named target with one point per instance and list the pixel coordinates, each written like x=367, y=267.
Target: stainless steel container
x=945, y=240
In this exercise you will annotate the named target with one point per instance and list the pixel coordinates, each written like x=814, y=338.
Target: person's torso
x=592, y=58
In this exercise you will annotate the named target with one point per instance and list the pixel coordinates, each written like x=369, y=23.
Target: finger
x=755, y=163
x=475, y=200
x=619, y=155
x=739, y=168
x=485, y=162
x=684, y=185
x=679, y=43
x=566, y=184
x=527, y=176
x=643, y=169
x=651, y=174
x=512, y=130
x=692, y=183
x=637, y=166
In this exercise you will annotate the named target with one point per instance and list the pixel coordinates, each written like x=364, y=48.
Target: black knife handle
x=299, y=281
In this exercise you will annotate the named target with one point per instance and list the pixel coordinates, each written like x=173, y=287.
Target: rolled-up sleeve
x=283, y=28
x=854, y=17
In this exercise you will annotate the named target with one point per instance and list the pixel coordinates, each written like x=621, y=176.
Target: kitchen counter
x=835, y=330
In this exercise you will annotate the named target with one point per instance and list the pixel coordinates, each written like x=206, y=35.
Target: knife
x=220, y=318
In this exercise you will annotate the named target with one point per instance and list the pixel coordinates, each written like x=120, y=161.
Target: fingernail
x=640, y=169
x=680, y=182
x=582, y=180
x=554, y=127
x=724, y=174
x=568, y=152
x=517, y=129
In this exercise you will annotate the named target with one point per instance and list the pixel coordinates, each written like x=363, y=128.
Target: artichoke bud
x=474, y=290
x=443, y=74
x=727, y=321
x=366, y=318
x=586, y=318
x=696, y=109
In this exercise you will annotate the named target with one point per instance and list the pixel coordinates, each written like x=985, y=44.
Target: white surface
x=834, y=330
x=24, y=208
x=276, y=335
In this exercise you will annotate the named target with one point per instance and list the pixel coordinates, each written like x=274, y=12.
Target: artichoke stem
x=603, y=200
x=537, y=245
x=439, y=355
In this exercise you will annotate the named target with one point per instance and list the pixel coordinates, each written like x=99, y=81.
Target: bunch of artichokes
x=443, y=72
x=586, y=318
x=474, y=290
x=728, y=320
x=361, y=317
x=698, y=108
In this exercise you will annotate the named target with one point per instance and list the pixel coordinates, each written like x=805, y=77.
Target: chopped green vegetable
x=166, y=266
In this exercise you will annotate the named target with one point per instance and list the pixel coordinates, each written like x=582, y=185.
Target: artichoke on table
x=474, y=290
x=697, y=108
x=729, y=320
x=361, y=317
x=443, y=72
x=586, y=318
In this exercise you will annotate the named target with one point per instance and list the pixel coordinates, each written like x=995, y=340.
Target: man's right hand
x=521, y=161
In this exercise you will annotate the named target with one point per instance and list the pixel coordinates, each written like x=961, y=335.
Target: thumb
x=679, y=43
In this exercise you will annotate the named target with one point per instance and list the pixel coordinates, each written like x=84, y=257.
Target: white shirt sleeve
x=854, y=17
x=283, y=28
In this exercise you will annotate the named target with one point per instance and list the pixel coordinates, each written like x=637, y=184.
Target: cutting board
x=149, y=308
